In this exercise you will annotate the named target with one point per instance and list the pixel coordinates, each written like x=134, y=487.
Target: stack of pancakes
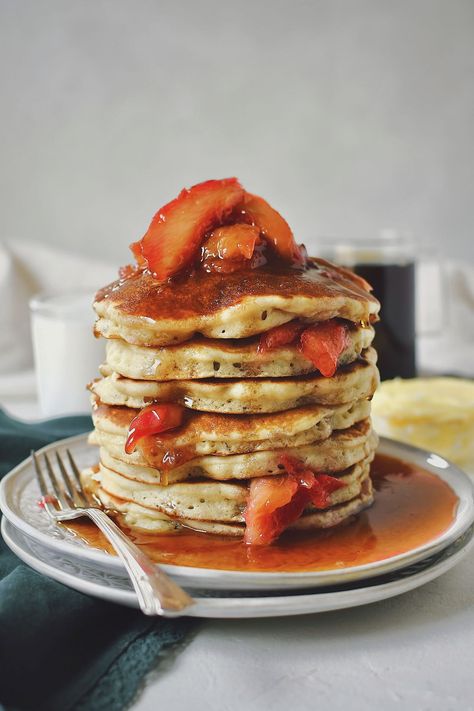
x=194, y=341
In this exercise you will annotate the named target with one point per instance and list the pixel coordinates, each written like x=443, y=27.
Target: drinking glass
x=391, y=264
x=67, y=355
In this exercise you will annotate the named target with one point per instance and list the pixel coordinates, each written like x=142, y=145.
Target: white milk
x=67, y=355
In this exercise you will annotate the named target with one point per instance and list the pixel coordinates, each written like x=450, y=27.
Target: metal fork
x=65, y=500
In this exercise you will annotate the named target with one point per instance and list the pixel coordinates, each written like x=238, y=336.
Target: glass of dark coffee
x=388, y=264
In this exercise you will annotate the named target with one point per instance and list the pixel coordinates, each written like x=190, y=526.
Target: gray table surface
x=415, y=651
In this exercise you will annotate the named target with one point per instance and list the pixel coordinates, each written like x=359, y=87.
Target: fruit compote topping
x=230, y=248
x=322, y=343
x=275, y=502
x=152, y=420
x=215, y=226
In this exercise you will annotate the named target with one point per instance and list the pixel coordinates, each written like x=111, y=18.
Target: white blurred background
x=348, y=115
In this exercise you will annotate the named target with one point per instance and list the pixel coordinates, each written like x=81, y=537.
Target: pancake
x=202, y=434
x=144, y=311
x=247, y=396
x=152, y=520
x=209, y=500
x=147, y=475
x=212, y=358
x=128, y=515
x=339, y=451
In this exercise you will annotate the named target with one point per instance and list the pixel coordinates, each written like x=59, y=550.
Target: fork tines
x=67, y=489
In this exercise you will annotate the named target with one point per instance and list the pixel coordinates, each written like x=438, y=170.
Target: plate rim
x=259, y=579
x=233, y=607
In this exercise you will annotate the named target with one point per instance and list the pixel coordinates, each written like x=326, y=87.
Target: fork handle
x=157, y=593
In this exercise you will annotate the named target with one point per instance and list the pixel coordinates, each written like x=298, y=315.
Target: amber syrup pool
x=412, y=507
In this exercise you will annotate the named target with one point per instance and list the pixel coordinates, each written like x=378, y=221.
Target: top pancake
x=144, y=311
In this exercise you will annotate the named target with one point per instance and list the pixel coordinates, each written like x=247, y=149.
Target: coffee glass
x=389, y=263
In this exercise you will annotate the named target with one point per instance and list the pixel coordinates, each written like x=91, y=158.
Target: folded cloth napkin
x=60, y=649
x=26, y=269
x=445, y=319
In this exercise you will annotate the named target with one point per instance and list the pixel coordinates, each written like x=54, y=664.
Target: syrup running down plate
x=422, y=505
x=114, y=587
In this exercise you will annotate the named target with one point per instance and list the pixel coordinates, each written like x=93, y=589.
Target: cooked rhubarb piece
x=230, y=247
x=278, y=336
x=265, y=512
x=323, y=343
x=274, y=228
x=177, y=230
x=319, y=485
x=153, y=420
x=275, y=502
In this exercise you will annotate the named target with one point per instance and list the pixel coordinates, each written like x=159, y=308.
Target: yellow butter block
x=433, y=413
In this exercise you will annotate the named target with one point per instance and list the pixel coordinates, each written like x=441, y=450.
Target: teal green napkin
x=60, y=649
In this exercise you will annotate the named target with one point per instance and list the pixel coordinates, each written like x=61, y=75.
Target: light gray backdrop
x=348, y=115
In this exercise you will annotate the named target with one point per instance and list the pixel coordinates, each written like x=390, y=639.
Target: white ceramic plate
x=112, y=586
x=19, y=495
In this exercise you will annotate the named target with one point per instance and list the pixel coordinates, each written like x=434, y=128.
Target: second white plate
x=114, y=587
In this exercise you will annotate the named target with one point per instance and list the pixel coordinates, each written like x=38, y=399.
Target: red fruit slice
x=230, y=248
x=297, y=469
x=276, y=502
x=280, y=336
x=177, y=230
x=152, y=420
x=320, y=486
x=322, y=489
x=322, y=344
x=273, y=226
x=266, y=496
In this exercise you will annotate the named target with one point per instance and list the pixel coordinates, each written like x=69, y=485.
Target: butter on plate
x=433, y=413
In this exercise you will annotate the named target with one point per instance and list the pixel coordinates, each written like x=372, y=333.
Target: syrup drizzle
x=412, y=507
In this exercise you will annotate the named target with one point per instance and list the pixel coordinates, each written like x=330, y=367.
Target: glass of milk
x=67, y=355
